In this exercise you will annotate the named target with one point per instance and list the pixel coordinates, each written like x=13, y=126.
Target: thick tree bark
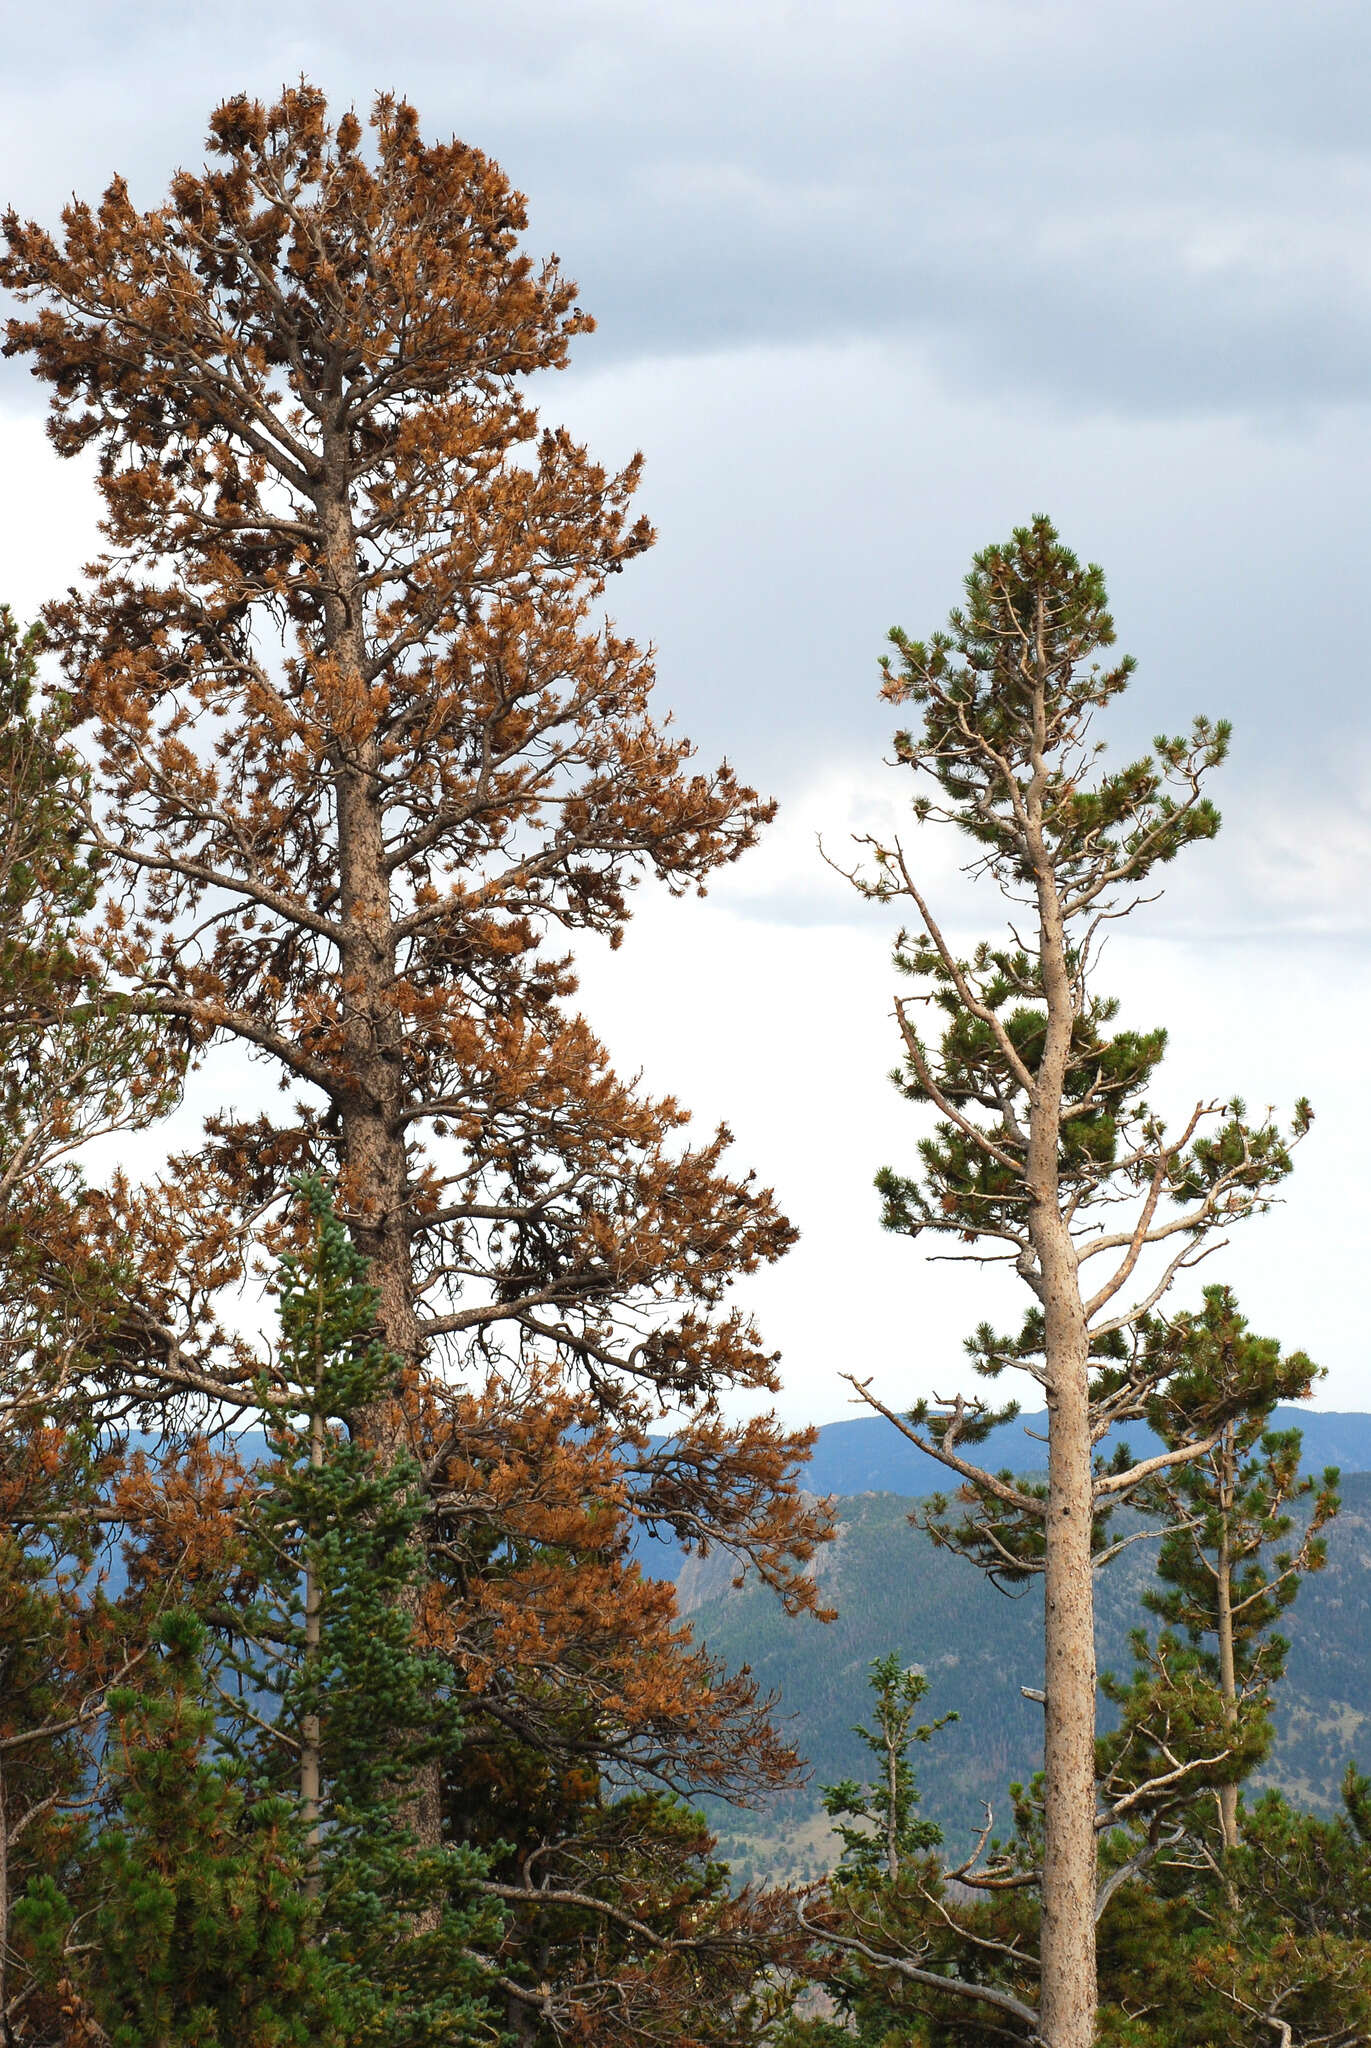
x=374, y=1161
x=371, y=1127
x=375, y=1167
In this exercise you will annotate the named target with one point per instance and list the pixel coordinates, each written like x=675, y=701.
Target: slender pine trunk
x=1068, y=1979
x=1228, y=1679
x=310, y=1773
x=1069, y=1846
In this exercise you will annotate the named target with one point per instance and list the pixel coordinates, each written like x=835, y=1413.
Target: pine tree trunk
x=1069, y=1851
x=1228, y=1680
x=372, y=1129
x=310, y=1772
x=1068, y=1982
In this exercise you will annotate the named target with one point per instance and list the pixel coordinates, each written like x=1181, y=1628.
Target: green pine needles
x=240, y=1867
x=338, y=1702
x=878, y=1823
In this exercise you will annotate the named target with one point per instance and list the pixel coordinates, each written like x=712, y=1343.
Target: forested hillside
x=894, y=1591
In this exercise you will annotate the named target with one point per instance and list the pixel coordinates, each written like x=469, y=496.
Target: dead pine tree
x=368, y=752
x=1046, y=1152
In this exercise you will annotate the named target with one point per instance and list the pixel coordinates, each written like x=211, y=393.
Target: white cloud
x=781, y=1025
x=1102, y=261
x=49, y=514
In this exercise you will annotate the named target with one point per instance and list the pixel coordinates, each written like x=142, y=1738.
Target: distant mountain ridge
x=866, y=1455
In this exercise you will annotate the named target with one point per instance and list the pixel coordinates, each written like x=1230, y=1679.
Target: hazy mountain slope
x=894, y=1591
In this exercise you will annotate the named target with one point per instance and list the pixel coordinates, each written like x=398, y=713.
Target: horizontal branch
x=290, y=909
x=933, y=1980
x=976, y=1475
x=1124, y=1482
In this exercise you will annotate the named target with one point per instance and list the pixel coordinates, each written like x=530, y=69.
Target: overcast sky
x=874, y=284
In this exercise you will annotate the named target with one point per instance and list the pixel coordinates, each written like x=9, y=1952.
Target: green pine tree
x=897, y=1946
x=878, y=1823
x=1230, y=1563
x=338, y=1704
x=1275, y=1947
x=196, y=1925
x=1045, y=1150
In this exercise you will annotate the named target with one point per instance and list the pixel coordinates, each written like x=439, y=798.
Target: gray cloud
x=875, y=283
x=809, y=499
x=1156, y=208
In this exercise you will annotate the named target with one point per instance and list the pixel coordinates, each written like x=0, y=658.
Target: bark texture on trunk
x=375, y=1165
x=371, y=1119
x=1228, y=1678
x=1069, y=1851
x=1068, y=1994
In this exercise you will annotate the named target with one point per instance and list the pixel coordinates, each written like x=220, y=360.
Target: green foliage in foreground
x=244, y=1871
x=201, y=1932
x=1195, y=1952
x=213, y=1777
x=343, y=1709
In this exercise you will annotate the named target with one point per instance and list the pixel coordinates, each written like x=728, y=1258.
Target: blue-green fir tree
x=338, y=1702
x=184, y=1919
